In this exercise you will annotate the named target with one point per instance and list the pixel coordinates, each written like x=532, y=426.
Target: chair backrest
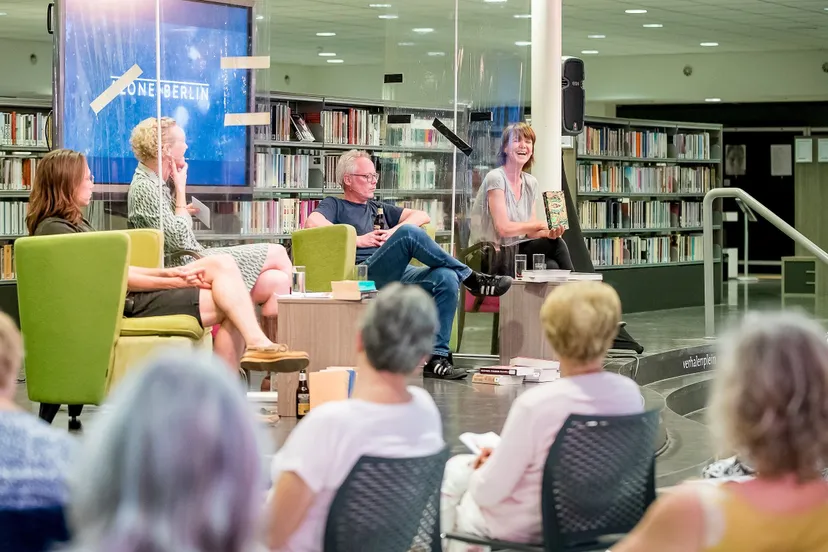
x=388, y=505
x=146, y=247
x=328, y=253
x=33, y=530
x=70, y=291
x=599, y=477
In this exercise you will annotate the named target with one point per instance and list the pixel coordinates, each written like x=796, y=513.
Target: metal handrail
x=759, y=209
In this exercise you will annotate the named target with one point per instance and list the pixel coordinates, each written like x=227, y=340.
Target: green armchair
x=328, y=254
x=71, y=291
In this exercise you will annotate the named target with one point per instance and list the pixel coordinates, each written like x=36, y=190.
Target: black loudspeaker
x=573, y=96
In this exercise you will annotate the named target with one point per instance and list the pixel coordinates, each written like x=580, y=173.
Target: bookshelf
x=639, y=187
x=23, y=141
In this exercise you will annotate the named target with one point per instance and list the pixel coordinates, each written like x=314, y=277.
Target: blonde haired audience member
x=770, y=405
x=34, y=457
x=497, y=494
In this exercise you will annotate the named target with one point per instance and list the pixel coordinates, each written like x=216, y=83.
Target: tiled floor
x=484, y=408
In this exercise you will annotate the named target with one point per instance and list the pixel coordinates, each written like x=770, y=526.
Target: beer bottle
x=379, y=220
x=302, y=395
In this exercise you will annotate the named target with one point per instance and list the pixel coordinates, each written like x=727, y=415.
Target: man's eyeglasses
x=371, y=177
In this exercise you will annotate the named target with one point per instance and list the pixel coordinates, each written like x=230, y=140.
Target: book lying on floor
x=497, y=379
x=477, y=441
x=543, y=371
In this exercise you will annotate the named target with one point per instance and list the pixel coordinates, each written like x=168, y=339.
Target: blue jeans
x=440, y=277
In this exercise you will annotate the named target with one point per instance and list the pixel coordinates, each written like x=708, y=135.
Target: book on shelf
x=417, y=133
x=13, y=217
x=613, y=177
x=635, y=250
x=17, y=173
x=618, y=142
x=407, y=171
x=278, y=168
x=435, y=208
x=329, y=177
x=7, y=268
x=694, y=146
x=23, y=129
x=300, y=127
x=276, y=216
x=626, y=213
x=352, y=126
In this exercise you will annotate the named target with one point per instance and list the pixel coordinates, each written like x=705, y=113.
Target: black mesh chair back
x=599, y=478
x=32, y=530
x=388, y=505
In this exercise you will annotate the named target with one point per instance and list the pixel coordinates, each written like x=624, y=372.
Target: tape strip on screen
x=246, y=62
x=115, y=88
x=246, y=119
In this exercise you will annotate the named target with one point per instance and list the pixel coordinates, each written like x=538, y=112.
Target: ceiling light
x=523, y=43
x=325, y=34
x=652, y=25
x=709, y=44
x=712, y=99
x=326, y=54
x=379, y=5
x=596, y=36
x=405, y=44
x=589, y=52
x=495, y=1
x=336, y=61
x=635, y=11
x=258, y=17
x=436, y=54
x=529, y=16
x=423, y=30
x=388, y=16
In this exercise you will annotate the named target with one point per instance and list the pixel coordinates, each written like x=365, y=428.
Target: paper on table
x=203, y=213
x=477, y=441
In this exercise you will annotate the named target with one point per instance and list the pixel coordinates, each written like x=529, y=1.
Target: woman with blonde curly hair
x=266, y=267
x=769, y=405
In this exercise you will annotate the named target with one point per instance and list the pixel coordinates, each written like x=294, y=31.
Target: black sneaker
x=486, y=285
x=442, y=368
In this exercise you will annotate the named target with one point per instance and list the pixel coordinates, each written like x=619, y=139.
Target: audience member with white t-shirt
x=498, y=494
x=384, y=418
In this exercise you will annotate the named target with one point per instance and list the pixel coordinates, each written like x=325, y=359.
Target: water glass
x=520, y=265
x=539, y=261
x=361, y=273
x=298, y=279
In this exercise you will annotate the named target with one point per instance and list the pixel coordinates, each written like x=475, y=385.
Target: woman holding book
x=505, y=213
x=497, y=494
x=266, y=268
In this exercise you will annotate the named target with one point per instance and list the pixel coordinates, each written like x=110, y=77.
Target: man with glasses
x=388, y=252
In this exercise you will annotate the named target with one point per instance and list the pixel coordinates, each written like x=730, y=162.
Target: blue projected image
x=103, y=39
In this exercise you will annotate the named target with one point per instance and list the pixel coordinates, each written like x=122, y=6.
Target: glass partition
x=494, y=57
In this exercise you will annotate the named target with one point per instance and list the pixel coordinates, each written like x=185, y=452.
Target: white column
x=546, y=92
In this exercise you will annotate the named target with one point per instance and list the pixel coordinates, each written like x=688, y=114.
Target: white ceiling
x=737, y=25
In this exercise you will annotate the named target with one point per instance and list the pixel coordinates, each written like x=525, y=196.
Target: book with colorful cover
x=555, y=205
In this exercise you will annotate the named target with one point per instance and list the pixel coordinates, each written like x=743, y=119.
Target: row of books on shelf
x=348, y=126
x=634, y=250
x=23, y=129
x=278, y=168
x=649, y=144
x=7, y=269
x=286, y=215
x=616, y=178
x=13, y=217
x=17, y=173
x=638, y=214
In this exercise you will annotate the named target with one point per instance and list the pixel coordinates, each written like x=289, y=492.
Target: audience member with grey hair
x=172, y=465
x=770, y=406
x=385, y=417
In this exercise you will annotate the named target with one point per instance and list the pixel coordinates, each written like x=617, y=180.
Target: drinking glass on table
x=520, y=265
x=539, y=261
x=298, y=284
x=361, y=273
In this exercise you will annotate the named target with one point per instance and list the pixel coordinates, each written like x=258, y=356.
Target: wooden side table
x=521, y=334
x=326, y=329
